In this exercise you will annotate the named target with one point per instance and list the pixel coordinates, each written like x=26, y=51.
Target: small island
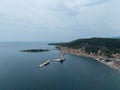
x=35, y=50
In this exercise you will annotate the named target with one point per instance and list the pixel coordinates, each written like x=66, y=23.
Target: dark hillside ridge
x=107, y=46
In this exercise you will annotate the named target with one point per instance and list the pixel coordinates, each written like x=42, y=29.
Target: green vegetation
x=106, y=46
x=35, y=50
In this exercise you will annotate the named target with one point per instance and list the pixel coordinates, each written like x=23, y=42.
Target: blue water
x=19, y=71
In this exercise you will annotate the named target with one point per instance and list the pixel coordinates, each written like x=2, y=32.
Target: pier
x=61, y=59
x=45, y=63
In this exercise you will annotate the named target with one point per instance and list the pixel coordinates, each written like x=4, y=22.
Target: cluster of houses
x=115, y=60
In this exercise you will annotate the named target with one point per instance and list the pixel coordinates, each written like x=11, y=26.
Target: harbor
x=45, y=63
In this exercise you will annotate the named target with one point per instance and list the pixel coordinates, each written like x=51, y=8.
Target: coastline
x=79, y=52
x=107, y=64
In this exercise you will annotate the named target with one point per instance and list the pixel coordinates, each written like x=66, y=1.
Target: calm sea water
x=19, y=71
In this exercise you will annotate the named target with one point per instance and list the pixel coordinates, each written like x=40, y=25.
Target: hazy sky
x=58, y=20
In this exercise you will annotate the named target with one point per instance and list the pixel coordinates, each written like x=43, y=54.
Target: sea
x=20, y=71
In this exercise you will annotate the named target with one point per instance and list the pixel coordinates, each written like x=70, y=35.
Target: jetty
x=45, y=63
x=61, y=60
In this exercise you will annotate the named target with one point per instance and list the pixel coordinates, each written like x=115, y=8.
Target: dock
x=45, y=63
x=59, y=60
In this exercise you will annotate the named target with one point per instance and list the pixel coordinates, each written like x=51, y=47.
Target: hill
x=106, y=46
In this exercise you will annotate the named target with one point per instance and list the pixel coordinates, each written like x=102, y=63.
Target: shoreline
x=104, y=60
x=109, y=65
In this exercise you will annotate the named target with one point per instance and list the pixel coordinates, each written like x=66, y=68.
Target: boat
x=62, y=60
x=45, y=63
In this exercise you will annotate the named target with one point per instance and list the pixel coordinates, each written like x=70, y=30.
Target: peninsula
x=104, y=50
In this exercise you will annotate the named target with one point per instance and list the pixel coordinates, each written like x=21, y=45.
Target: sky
x=58, y=20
